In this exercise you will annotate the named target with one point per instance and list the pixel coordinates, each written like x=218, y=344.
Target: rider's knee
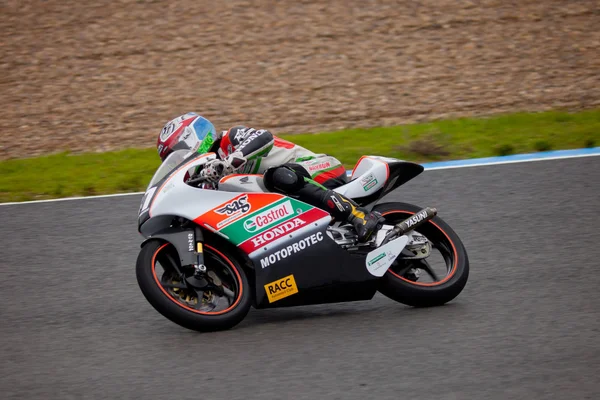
x=283, y=179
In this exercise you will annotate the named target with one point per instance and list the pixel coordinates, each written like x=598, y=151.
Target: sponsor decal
x=277, y=232
x=337, y=203
x=370, y=185
x=281, y=288
x=249, y=205
x=190, y=242
x=238, y=206
x=291, y=249
x=263, y=202
x=416, y=218
x=380, y=264
x=167, y=131
x=377, y=258
x=241, y=133
x=368, y=182
x=319, y=166
x=269, y=217
x=250, y=138
x=245, y=180
x=233, y=210
x=282, y=230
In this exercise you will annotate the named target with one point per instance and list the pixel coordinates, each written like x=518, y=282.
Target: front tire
x=180, y=306
x=400, y=287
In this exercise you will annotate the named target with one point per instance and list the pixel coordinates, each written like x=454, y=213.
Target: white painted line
x=508, y=162
x=72, y=198
x=511, y=159
x=477, y=162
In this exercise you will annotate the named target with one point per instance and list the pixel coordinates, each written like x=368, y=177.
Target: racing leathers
x=292, y=170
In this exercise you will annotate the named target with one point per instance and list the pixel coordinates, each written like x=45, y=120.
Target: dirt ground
x=102, y=75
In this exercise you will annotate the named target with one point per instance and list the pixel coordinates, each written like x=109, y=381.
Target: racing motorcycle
x=212, y=252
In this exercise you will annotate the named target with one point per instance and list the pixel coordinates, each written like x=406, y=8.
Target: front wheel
x=218, y=300
x=429, y=281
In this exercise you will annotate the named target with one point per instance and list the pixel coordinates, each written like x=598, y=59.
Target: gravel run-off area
x=104, y=75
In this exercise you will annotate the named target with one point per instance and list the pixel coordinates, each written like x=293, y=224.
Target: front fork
x=201, y=278
x=189, y=244
x=197, y=239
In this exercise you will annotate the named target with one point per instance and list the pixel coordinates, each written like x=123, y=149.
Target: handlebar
x=197, y=179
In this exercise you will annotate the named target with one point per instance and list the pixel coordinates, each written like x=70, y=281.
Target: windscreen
x=172, y=161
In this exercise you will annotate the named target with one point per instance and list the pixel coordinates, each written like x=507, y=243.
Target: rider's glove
x=216, y=169
x=236, y=160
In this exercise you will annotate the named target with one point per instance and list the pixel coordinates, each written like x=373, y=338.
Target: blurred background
x=105, y=75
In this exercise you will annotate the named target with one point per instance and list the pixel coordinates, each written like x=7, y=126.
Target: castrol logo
x=269, y=217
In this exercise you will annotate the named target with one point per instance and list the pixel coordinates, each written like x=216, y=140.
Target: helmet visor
x=206, y=134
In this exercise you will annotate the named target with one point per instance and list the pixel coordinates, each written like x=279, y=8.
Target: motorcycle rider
x=287, y=168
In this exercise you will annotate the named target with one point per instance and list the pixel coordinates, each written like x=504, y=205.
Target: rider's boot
x=365, y=223
x=343, y=208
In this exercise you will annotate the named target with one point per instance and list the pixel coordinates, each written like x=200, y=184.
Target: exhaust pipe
x=413, y=222
x=416, y=220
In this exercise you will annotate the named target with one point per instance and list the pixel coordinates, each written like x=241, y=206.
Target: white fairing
x=243, y=183
x=175, y=197
x=379, y=260
x=369, y=175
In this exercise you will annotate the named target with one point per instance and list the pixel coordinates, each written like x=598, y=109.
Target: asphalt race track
x=74, y=324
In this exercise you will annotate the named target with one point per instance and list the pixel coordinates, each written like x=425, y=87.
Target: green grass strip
x=65, y=175
x=462, y=138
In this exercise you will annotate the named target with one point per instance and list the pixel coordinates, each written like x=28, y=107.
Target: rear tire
x=175, y=310
x=417, y=294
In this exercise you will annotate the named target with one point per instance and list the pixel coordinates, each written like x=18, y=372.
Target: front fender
x=183, y=239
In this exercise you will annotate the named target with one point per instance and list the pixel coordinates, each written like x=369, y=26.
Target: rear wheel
x=429, y=281
x=218, y=300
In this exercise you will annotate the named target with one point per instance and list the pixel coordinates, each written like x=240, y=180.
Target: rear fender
x=399, y=172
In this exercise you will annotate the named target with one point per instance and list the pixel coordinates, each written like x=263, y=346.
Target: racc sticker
x=281, y=288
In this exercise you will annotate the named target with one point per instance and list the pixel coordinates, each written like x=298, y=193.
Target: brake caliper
x=418, y=247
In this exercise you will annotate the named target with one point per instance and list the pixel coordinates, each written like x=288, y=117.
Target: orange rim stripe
x=452, y=271
x=235, y=303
